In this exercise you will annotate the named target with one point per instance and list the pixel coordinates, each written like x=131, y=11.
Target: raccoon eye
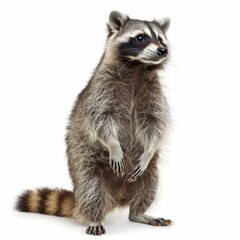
x=140, y=38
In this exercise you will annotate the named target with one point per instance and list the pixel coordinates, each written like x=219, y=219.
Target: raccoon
x=116, y=131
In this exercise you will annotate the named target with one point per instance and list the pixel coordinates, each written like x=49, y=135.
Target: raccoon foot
x=142, y=218
x=116, y=161
x=96, y=228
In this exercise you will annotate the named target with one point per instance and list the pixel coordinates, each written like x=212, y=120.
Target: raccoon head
x=139, y=41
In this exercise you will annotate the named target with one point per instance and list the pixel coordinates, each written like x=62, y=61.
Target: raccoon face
x=139, y=41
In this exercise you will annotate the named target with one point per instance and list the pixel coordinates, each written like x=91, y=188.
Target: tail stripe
x=33, y=201
x=66, y=204
x=22, y=202
x=43, y=193
x=52, y=203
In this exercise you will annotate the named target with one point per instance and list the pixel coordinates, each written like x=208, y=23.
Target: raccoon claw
x=118, y=167
x=165, y=222
x=116, y=160
x=135, y=174
x=96, y=230
x=161, y=222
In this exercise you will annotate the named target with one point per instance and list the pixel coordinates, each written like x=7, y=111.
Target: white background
x=48, y=52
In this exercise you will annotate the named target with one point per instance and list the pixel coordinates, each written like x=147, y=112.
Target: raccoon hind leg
x=93, y=200
x=143, y=199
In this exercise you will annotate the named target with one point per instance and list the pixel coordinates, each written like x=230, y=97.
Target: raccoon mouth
x=153, y=60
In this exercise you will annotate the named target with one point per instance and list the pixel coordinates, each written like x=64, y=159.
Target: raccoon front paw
x=137, y=171
x=116, y=162
x=118, y=167
x=141, y=166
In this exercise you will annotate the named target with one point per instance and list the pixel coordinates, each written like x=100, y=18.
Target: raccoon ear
x=117, y=20
x=164, y=23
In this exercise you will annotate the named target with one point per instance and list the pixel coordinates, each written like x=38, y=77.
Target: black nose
x=162, y=51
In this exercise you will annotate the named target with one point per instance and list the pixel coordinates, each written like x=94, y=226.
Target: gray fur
x=117, y=127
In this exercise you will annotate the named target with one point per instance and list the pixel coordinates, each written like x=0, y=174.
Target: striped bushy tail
x=58, y=202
